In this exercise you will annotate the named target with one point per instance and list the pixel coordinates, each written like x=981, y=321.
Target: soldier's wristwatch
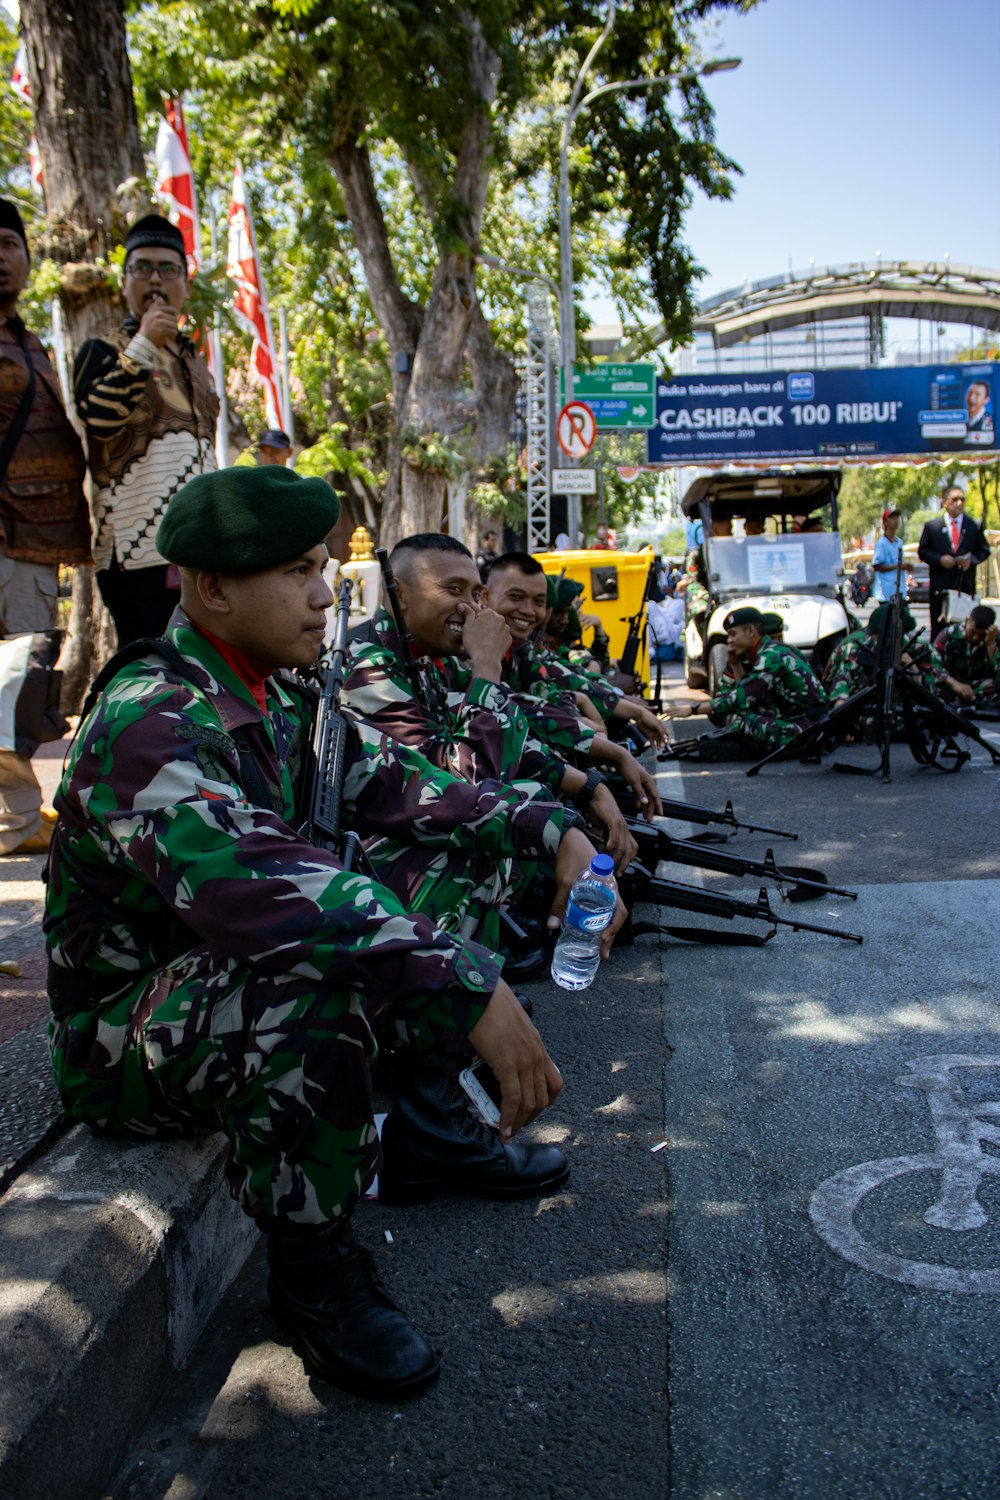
x=585, y=795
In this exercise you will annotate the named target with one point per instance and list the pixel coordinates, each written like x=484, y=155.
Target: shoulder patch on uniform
x=186, y=730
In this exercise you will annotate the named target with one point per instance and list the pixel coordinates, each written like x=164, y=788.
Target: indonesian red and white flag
x=250, y=298
x=19, y=76
x=21, y=86
x=175, y=179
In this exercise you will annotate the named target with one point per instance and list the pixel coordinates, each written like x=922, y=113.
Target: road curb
x=113, y=1257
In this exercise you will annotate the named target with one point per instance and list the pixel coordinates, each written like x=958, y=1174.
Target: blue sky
x=861, y=126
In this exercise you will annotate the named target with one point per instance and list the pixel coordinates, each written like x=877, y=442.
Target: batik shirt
x=150, y=419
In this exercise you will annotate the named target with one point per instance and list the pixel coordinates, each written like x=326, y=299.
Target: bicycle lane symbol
x=961, y=1127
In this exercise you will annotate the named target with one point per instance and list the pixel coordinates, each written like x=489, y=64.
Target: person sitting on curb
x=211, y=967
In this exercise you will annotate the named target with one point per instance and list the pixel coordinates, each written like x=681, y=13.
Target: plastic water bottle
x=589, y=910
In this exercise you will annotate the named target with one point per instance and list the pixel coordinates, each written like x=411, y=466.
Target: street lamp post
x=567, y=322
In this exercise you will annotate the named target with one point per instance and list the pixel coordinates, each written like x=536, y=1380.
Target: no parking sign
x=576, y=429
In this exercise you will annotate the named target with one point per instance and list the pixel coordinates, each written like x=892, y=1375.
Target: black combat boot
x=432, y=1143
x=326, y=1295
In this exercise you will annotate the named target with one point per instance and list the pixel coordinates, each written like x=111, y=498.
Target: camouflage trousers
x=461, y=893
x=281, y=1064
x=766, y=731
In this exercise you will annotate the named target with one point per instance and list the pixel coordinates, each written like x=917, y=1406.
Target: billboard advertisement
x=831, y=414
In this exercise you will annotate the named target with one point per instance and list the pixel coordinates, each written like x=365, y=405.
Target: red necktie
x=954, y=536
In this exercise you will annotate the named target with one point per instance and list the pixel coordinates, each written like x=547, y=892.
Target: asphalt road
x=816, y=1336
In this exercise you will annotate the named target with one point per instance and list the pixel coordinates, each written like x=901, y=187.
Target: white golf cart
x=797, y=574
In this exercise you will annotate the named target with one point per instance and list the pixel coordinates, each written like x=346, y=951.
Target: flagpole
x=222, y=425
x=286, y=389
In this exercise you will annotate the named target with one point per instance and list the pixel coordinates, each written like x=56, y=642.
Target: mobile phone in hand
x=483, y=1091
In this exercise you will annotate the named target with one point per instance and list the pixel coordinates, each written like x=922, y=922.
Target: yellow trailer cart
x=613, y=588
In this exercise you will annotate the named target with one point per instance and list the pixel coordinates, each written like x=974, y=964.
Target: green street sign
x=620, y=396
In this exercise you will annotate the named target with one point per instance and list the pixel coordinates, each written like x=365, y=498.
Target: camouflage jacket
x=392, y=791
x=696, y=595
x=851, y=666
x=161, y=848
x=776, y=681
x=472, y=728
x=846, y=672
x=541, y=686
x=570, y=672
x=964, y=661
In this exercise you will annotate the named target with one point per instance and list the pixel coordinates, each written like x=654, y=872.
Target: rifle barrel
x=640, y=885
x=681, y=852
x=690, y=812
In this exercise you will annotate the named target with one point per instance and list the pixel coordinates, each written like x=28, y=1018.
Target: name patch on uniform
x=220, y=741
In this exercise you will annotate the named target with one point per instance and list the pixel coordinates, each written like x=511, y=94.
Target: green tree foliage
x=389, y=146
x=15, y=131
x=865, y=493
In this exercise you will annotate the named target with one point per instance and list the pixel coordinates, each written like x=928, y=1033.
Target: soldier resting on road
x=768, y=693
x=852, y=664
x=210, y=967
x=968, y=652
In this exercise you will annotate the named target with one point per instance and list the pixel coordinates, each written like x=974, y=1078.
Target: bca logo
x=801, y=387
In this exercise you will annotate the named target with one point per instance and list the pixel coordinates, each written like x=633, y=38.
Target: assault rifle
x=803, y=883
x=328, y=763
x=894, y=697
x=406, y=639
x=692, y=812
x=637, y=884
x=634, y=639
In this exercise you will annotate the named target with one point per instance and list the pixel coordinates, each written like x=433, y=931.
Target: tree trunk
x=88, y=134
x=449, y=381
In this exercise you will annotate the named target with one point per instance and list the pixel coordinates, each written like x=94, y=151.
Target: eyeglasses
x=142, y=270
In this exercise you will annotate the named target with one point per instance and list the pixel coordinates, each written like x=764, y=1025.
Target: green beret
x=745, y=615
x=550, y=590
x=567, y=589
x=878, y=615
x=244, y=520
x=772, y=623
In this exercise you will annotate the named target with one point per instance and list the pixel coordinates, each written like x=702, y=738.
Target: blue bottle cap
x=602, y=864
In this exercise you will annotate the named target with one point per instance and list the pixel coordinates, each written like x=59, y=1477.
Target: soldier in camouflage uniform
x=516, y=589
x=768, y=695
x=849, y=667
x=968, y=651
x=694, y=583
x=852, y=664
x=458, y=712
x=211, y=967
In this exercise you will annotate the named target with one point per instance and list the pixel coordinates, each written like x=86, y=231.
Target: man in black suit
x=951, y=545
